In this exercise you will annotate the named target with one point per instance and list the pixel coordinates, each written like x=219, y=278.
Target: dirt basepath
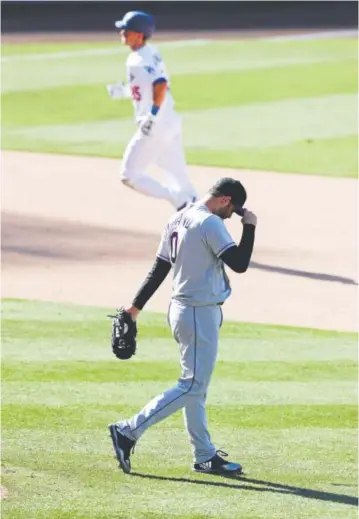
x=71, y=232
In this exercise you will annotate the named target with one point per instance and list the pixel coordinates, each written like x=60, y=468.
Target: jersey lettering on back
x=192, y=242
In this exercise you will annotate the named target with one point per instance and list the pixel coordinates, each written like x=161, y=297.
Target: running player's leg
x=197, y=362
x=172, y=160
x=141, y=151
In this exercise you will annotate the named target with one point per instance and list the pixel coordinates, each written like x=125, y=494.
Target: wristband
x=154, y=109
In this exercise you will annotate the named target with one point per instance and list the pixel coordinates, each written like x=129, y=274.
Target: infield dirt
x=71, y=232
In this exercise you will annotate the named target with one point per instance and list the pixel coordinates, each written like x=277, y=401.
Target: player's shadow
x=245, y=483
x=304, y=273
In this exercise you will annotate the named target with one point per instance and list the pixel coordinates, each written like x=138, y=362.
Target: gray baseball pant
x=196, y=330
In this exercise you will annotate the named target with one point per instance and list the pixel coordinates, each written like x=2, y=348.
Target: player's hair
x=229, y=187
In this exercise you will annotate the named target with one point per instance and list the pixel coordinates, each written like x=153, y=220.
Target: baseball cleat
x=123, y=447
x=218, y=465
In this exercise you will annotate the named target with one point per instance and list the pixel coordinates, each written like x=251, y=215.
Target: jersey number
x=174, y=244
x=136, y=94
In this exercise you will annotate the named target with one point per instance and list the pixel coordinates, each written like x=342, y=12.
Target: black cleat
x=218, y=465
x=123, y=447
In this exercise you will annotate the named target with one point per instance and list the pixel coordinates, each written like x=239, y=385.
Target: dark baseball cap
x=137, y=21
x=231, y=187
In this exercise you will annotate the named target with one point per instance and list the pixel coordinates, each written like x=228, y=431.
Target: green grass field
x=272, y=105
x=282, y=401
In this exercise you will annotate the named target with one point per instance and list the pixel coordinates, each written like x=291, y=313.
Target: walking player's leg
x=196, y=362
x=157, y=410
x=139, y=154
x=192, y=328
x=208, y=321
x=194, y=414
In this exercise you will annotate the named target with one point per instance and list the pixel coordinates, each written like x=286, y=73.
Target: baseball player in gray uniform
x=196, y=245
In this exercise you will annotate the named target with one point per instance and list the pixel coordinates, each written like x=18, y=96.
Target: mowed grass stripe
x=311, y=118
x=97, y=416
x=236, y=88
x=328, y=157
x=68, y=51
x=87, y=103
x=74, y=66
x=73, y=73
x=98, y=448
x=331, y=446
x=222, y=392
x=230, y=350
x=280, y=346
x=235, y=50
x=18, y=49
x=313, y=157
x=243, y=439
x=111, y=371
x=246, y=348
x=181, y=50
x=35, y=319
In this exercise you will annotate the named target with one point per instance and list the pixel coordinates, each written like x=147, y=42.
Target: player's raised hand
x=249, y=217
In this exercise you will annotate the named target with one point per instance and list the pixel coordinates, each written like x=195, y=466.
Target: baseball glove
x=124, y=334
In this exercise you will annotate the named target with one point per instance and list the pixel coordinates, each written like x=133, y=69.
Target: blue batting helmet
x=137, y=21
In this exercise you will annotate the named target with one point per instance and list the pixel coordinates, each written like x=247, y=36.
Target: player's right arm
x=154, y=279
x=121, y=90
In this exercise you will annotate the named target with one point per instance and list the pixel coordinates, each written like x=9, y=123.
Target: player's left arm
x=218, y=239
x=238, y=257
x=159, y=89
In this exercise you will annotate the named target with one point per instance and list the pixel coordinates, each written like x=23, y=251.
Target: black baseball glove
x=124, y=334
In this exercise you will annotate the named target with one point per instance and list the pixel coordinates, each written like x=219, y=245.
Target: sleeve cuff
x=163, y=258
x=223, y=249
x=159, y=80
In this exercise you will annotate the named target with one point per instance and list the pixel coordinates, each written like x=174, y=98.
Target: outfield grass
x=286, y=106
x=282, y=401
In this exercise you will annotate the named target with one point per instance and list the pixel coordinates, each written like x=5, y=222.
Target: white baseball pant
x=163, y=147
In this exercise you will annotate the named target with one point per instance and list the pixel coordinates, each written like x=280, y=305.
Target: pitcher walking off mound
x=196, y=245
x=158, y=137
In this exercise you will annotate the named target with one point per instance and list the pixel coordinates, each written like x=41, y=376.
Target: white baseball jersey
x=144, y=67
x=192, y=241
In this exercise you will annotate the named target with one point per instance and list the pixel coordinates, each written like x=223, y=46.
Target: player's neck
x=137, y=46
x=210, y=203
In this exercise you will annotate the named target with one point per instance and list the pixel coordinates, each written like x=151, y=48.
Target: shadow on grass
x=263, y=486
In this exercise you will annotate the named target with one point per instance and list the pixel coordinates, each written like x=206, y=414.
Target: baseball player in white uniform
x=195, y=245
x=158, y=137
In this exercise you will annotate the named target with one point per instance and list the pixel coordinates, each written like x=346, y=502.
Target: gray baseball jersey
x=192, y=241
